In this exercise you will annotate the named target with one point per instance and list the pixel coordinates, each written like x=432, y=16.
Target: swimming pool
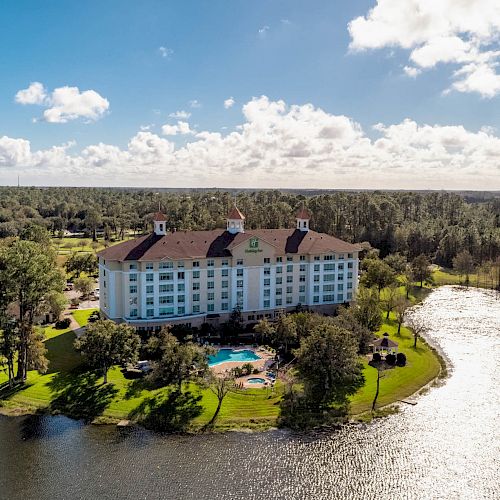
x=256, y=380
x=225, y=355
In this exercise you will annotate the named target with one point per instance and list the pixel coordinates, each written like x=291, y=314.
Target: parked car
x=68, y=287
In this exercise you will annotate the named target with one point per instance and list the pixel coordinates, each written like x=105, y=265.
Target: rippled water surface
x=444, y=447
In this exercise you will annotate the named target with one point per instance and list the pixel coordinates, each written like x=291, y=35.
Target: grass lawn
x=82, y=315
x=444, y=276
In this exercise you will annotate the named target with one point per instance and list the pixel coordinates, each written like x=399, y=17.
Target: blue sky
x=293, y=51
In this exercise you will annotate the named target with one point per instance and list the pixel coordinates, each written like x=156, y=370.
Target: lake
x=445, y=447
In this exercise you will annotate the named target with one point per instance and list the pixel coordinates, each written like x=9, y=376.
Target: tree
x=347, y=320
x=36, y=358
x=105, y=344
x=29, y=273
x=92, y=222
x=367, y=308
x=407, y=282
x=378, y=273
x=80, y=263
x=179, y=362
x=420, y=267
x=35, y=232
x=234, y=325
x=56, y=303
x=264, y=329
x=285, y=331
x=464, y=264
x=417, y=326
x=84, y=285
x=402, y=305
x=328, y=364
x=9, y=338
x=396, y=262
x=220, y=386
x=391, y=296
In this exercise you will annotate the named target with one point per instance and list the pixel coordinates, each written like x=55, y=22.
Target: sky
x=352, y=94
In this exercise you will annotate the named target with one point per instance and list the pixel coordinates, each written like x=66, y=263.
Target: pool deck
x=229, y=365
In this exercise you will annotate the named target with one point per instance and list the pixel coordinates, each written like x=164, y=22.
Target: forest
x=439, y=225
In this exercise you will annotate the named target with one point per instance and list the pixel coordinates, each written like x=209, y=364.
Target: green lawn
x=444, y=276
x=82, y=315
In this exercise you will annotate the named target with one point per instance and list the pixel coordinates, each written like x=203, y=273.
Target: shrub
x=390, y=359
x=255, y=371
x=376, y=357
x=63, y=323
x=75, y=301
x=401, y=359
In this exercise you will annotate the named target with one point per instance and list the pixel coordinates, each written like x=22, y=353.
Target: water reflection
x=445, y=447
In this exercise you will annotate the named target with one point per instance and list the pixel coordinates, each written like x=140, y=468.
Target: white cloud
x=181, y=115
x=437, y=32
x=65, y=103
x=195, y=103
x=277, y=145
x=229, y=103
x=263, y=31
x=182, y=128
x=34, y=94
x=165, y=52
x=411, y=71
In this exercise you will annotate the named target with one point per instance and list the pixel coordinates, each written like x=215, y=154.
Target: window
x=181, y=310
x=329, y=267
x=349, y=296
x=340, y=287
x=279, y=280
x=267, y=292
x=267, y=260
x=328, y=257
x=329, y=277
x=181, y=298
x=316, y=289
x=196, y=275
x=302, y=257
x=196, y=286
x=132, y=289
x=289, y=289
x=289, y=268
x=196, y=263
x=302, y=278
x=302, y=268
x=133, y=267
x=349, y=255
x=302, y=288
x=349, y=285
x=225, y=272
x=167, y=288
x=196, y=309
x=316, y=299
x=289, y=300
x=166, y=276
x=150, y=289
x=180, y=264
x=317, y=257
x=279, y=302
x=267, y=281
x=289, y=259
x=210, y=307
x=350, y=265
x=289, y=279
x=267, y=271
x=239, y=284
x=210, y=273
x=225, y=262
x=196, y=297
x=349, y=275
x=150, y=301
x=340, y=277
x=210, y=263
x=149, y=266
x=239, y=294
x=150, y=313
x=224, y=306
x=341, y=266
x=302, y=298
x=225, y=284
x=239, y=272
x=166, y=299
x=279, y=259
x=316, y=268
x=328, y=288
x=279, y=291
x=239, y=262
x=267, y=303
x=133, y=313
x=341, y=256
x=166, y=265
x=150, y=277
x=279, y=269
x=211, y=285
x=166, y=311
x=210, y=296
x=224, y=295
x=340, y=297
x=132, y=277
x=316, y=278
x=180, y=275
x=328, y=298
x=181, y=287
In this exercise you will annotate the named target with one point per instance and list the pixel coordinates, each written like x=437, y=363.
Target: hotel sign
x=253, y=246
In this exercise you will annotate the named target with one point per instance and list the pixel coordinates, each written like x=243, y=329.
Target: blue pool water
x=256, y=380
x=224, y=355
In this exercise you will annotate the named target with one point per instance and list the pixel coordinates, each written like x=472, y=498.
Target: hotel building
x=201, y=276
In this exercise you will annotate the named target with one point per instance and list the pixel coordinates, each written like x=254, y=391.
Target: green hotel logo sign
x=253, y=246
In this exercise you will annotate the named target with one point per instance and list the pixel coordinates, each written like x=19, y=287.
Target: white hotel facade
x=195, y=277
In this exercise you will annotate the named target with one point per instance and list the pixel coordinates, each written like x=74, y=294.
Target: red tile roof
x=159, y=217
x=234, y=213
x=303, y=213
x=220, y=243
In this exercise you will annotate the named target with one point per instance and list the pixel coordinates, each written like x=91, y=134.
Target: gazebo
x=384, y=344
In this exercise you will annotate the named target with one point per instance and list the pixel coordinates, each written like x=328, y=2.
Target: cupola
x=160, y=224
x=235, y=221
x=303, y=216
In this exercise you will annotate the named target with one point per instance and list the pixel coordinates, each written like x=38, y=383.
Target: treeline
x=439, y=225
